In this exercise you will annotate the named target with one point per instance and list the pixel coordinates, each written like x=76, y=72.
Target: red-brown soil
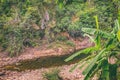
x=52, y=49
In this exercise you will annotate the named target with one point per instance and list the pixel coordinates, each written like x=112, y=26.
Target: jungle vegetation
x=25, y=23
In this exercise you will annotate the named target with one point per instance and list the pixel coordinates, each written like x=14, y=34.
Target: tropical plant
x=81, y=15
x=20, y=24
x=25, y=19
x=103, y=57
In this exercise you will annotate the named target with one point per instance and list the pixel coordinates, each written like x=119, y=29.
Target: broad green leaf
x=89, y=30
x=81, y=66
x=117, y=24
x=97, y=42
x=106, y=34
x=85, y=51
x=103, y=34
x=75, y=66
x=89, y=67
x=115, y=29
x=82, y=62
x=111, y=44
x=118, y=35
x=98, y=67
x=88, y=76
x=105, y=70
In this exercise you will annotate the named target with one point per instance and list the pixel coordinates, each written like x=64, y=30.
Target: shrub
x=70, y=43
x=15, y=39
x=82, y=15
x=61, y=38
x=53, y=75
x=74, y=30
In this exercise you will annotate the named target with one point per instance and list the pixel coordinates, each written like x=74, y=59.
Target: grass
x=70, y=43
x=52, y=75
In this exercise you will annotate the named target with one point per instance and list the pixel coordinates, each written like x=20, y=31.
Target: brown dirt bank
x=53, y=49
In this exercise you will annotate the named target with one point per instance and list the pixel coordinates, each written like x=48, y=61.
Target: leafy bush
x=74, y=16
x=107, y=12
x=52, y=75
x=75, y=30
x=70, y=43
x=16, y=26
x=26, y=15
x=15, y=39
x=61, y=38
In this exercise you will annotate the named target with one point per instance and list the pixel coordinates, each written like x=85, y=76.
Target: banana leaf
x=90, y=66
x=85, y=51
x=103, y=34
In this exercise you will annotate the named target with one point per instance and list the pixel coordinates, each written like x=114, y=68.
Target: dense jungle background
x=88, y=27
x=24, y=23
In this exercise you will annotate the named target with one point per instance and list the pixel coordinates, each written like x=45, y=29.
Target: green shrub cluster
x=18, y=23
x=81, y=14
x=70, y=43
x=15, y=39
x=53, y=75
x=20, y=20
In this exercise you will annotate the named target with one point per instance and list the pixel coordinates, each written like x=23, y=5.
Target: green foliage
x=19, y=25
x=118, y=35
x=17, y=32
x=75, y=16
x=74, y=30
x=70, y=43
x=61, y=38
x=52, y=75
x=103, y=52
x=15, y=39
x=24, y=19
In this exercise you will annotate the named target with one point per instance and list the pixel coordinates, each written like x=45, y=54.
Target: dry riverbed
x=38, y=74
x=45, y=50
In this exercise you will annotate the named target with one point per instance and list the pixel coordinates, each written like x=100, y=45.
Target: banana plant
x=98, y=61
